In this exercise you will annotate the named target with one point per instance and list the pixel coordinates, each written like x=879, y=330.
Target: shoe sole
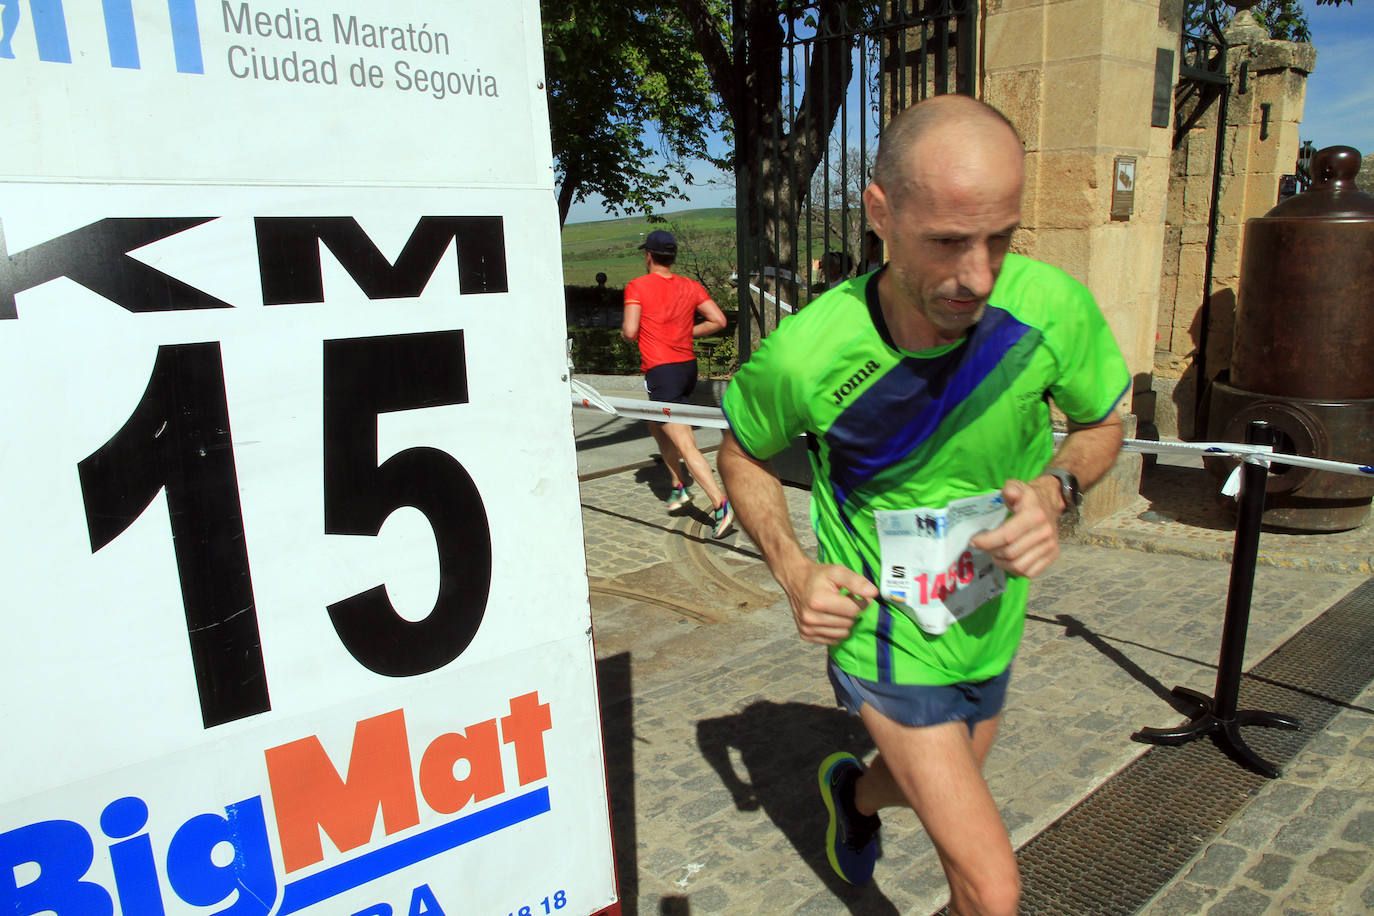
x=823, y=781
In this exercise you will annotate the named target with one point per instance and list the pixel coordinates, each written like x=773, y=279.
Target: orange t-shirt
x=668, y=311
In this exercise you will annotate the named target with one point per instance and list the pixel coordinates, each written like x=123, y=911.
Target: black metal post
x=1219, y=714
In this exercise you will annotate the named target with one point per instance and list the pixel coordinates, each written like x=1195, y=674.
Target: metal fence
x=799, y=179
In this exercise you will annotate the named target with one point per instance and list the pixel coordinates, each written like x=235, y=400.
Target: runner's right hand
x=826, y=600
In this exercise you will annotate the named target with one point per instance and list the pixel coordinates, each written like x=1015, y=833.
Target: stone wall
x=1260, y=144
x=1077, y=79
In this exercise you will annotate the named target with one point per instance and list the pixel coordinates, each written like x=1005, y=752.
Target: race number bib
x=929, y=570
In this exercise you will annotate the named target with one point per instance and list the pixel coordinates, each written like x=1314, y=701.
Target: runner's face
x=945, y=247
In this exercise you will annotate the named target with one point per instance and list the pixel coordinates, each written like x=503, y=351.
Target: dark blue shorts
x=921, y=705
x=672, y=382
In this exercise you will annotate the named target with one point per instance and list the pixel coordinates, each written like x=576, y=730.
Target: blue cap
x=660, y=242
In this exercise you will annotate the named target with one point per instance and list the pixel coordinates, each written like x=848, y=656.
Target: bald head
x=946, y=138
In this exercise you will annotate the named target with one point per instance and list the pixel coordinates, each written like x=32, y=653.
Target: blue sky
x=1340, y=91
x=1339, y=107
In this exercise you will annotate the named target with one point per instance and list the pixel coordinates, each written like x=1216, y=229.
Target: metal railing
x=799, y=186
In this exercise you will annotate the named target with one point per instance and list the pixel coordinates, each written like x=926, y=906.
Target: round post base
x=1205, y=722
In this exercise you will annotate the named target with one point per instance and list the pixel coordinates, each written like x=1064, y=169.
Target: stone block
x=1193, y=234
x=1030, y=198
x=1281, y=91
x=1075, y=87
x=1233, y=194
x=1018, y=94
x=1226, y=259
x=1026, y=241
x=1279, y=154
x=1014, y=39
x=1152, y=187
x=1164, y=321
x=1132, y=32
x=1173, y=208
x=1067, y=249
x=1202, y=146
x=1068, y=190
x=1127, y=89
x=1283, y=55
x=1341, y=865
x=1192, y=262
x=1174, y=408
x=1261, y=196
x=1074, y=29
x=1007, y=6
x=1197, y=199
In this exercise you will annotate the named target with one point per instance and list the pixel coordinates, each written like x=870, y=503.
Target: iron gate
x=805, y=144
x=1203, y=82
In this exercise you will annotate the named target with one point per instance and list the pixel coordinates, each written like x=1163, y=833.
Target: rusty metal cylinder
x=1305, y=307
x=1302, y=358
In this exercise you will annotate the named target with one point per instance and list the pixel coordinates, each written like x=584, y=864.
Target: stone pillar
x=1077, y=78
x=1264, y=109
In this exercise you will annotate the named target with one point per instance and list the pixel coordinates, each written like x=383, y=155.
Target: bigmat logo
x=307, y=795
x=48, y=23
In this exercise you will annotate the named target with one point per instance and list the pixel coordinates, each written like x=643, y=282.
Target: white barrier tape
x=586, y=397
x=1251, y=454
x=786, y=307
x=658, y=411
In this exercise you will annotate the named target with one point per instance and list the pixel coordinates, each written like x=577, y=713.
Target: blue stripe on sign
x=50, y=31
x=346, y=876
x=120, y=34
x=186, y=36
x=906, y=406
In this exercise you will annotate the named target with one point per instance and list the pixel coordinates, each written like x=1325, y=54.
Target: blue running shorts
x=922, y=704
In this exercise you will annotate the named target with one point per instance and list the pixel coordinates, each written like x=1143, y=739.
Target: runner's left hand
x=1027, y=542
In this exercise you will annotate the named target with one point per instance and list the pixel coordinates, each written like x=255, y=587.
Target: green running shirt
x=890, y=429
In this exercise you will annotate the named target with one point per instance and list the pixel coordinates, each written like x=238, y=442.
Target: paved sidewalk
x=716, y=714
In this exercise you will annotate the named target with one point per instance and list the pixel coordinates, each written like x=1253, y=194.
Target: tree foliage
x=787, y=141
x=614, y=68
x=1285, y=20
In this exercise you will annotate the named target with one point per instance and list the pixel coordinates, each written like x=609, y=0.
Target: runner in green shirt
x=937, y=493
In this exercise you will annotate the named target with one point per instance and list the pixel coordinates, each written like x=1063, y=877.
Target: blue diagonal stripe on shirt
x=906, y=406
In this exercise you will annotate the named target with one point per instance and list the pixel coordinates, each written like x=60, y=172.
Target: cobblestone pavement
x=716, y=715
x=1302, y=846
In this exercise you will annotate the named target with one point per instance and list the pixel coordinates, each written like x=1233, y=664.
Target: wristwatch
x=1068, y=487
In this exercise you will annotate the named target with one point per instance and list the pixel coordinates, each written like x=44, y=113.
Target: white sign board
x=296, y=609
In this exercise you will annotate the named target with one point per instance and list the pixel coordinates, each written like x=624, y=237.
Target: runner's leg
x=878, y=789
x=938, y=771
x=672, y=457
x=686, y=445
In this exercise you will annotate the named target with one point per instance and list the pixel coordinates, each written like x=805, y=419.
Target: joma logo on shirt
x=854, y=381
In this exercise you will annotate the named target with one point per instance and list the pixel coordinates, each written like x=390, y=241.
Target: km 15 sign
x=296, y=608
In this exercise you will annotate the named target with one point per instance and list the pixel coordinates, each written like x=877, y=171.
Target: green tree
x=613, y=69
x=1285, y=20
x=752, y=92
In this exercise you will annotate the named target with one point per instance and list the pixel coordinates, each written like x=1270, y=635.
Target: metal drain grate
x=1114, y=850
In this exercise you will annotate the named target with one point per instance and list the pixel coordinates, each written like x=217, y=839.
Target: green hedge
x=598, y=348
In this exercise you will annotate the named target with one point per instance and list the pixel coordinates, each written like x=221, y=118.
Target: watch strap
x=1068, y=486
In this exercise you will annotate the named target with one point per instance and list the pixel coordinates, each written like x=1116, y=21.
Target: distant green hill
x=610, y=246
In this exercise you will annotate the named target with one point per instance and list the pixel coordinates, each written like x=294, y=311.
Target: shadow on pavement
x=617, y=741
x=779, y=746
x=1076, y=629
x=1187, y=495
x=595, y=438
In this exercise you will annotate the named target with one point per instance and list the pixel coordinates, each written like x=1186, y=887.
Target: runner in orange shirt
x=661, y=315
